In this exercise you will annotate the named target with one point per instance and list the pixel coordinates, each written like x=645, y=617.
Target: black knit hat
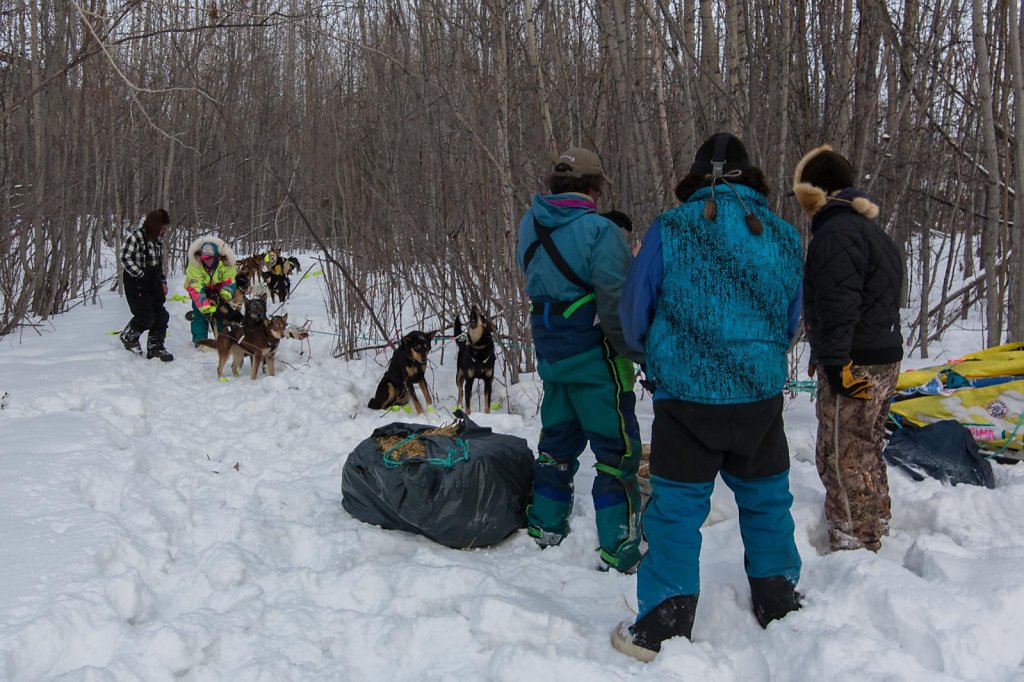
x=828, y=170
x=721, y=147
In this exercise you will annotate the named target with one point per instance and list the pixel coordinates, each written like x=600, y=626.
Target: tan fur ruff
x=865, y=207
x=812, y=198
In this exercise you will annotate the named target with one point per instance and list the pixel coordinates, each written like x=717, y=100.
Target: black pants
x=693, y=441
x=146, y=302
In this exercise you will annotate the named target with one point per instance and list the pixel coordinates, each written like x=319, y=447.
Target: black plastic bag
x=943, y=450
x=468, y=489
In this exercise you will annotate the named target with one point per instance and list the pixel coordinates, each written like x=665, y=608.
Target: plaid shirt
x=139, y=254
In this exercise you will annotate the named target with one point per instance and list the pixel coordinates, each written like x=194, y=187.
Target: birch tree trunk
x=1015, y=23
x=990, y=231
x=542, y=90
x=406, y=137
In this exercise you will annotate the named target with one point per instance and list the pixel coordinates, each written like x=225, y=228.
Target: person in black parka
x=145, y=287
x=852, y=281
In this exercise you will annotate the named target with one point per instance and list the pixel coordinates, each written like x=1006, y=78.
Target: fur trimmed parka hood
x=225, y=252
x=821, y=176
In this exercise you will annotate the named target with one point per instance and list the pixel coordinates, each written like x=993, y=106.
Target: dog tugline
x=209, y=280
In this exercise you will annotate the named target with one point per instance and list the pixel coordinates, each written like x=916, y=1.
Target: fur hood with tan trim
x=820, y=178
x=225, y=252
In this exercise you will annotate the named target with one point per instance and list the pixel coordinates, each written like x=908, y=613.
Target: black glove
x=842, y=382
x=619, y=218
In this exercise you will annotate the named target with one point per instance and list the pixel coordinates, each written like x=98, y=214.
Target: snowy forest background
x=404, y=138
x=142, y=538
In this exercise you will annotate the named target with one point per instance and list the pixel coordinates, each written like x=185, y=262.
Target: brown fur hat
x=155, y=220
x=820, y=174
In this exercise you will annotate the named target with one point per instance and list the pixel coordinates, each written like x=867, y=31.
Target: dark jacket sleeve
x=836, y=264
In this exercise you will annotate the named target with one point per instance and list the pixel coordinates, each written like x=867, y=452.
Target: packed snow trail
x=156, y=524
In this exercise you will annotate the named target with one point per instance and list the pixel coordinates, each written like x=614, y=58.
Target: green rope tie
x=394, y=464
x=1009, y=440
x=610, y=470
x=797, y=386
x=459, y=447
x=457, y=452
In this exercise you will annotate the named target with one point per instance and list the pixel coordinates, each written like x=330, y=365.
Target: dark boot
x=671, y=618
x=159, y=353
x=155, y=348
x=773, y=598
x=130, y=339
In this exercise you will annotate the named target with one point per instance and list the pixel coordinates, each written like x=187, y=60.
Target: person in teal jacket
x=209, y=276
x=714, y=298
x=575, y=262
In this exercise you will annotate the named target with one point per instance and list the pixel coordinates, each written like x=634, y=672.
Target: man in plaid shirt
x=145, y=287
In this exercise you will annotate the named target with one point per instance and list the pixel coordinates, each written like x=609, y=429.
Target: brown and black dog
x=279, y=286
x=251, y=267
x=242, y=287
x=475, y=359
x=258, y=341
x=291, y=264
x=255, y=310
x=406, y=369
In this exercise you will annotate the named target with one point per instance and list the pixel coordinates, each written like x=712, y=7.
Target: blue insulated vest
x=719, y=334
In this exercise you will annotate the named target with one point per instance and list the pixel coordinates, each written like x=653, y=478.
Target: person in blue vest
x=575, y=262
x=714, y=298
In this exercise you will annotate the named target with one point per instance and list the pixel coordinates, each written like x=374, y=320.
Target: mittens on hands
x=843, y=382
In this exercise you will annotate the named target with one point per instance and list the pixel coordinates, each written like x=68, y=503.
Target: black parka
x=852, y=282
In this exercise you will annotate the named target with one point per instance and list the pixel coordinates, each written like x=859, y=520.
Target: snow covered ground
x=156, y=524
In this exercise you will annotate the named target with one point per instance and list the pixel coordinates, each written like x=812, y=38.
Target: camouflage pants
x=849, y=458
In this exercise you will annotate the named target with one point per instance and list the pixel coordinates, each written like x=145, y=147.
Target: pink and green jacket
x=202, y=285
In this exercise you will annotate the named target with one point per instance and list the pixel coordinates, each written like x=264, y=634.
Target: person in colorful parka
x=209, y=277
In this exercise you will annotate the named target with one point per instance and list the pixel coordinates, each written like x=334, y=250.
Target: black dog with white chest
x=475, y=359
x=407, y=369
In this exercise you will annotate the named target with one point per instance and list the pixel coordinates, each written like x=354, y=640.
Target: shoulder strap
x=545, y=240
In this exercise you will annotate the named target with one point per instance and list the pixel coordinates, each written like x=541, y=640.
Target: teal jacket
x=717, y=310
x=596, y=250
